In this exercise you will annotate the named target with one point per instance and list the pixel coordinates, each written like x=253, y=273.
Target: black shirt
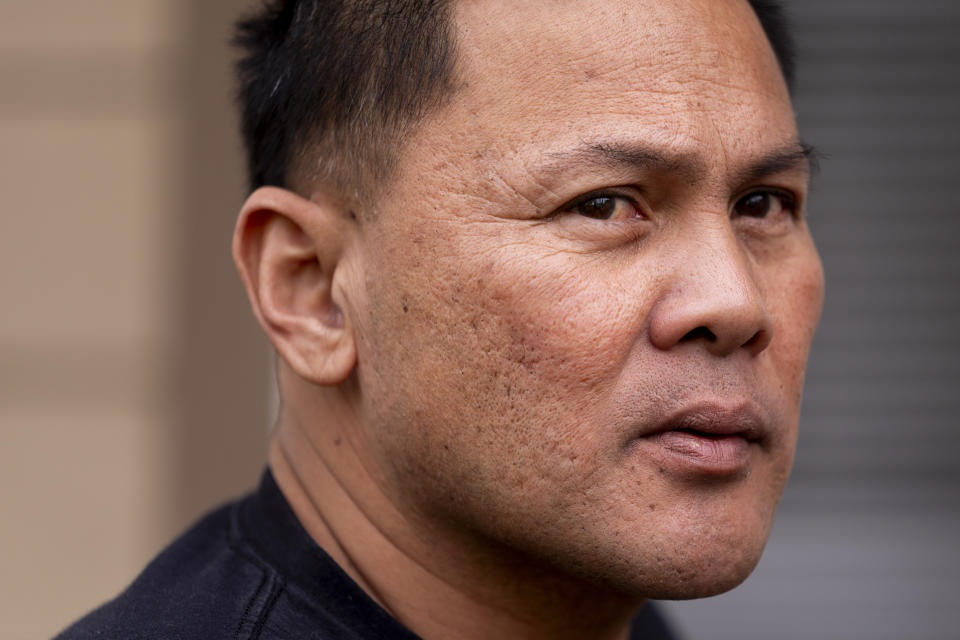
x=250, y=571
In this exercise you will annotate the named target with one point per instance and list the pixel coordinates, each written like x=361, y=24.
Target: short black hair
x=330, y=87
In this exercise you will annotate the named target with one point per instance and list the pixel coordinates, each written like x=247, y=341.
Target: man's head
x=572, y=333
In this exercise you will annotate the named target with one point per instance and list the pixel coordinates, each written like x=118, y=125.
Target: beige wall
x=133, y=380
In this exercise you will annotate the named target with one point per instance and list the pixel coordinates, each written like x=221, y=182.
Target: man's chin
x=683, y=584
x=689, y=569
x=698, y=589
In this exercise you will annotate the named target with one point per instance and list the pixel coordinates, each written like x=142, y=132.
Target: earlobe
x=288, y=251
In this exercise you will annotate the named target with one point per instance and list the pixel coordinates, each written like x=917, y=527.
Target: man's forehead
x=671, y=65
x=592, y=38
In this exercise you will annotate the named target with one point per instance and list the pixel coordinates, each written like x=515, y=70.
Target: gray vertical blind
x=880, y=93
x=865, y=544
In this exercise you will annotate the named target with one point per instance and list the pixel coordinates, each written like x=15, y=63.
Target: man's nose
x=711, y=297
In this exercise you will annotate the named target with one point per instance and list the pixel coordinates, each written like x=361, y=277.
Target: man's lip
x=707, y=439
x=716, y=419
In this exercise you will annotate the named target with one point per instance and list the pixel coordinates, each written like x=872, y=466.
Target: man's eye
x=610, y=207
x=765, y=204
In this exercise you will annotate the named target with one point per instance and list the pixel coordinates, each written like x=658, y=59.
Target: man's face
x=592, y=256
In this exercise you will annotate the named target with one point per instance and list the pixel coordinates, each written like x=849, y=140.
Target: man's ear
x=288, y=250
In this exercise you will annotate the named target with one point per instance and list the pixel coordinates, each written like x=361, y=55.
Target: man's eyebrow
x=792, y=157
x=614, y=155
x=799, y=156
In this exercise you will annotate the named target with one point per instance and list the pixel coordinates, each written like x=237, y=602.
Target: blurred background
x=134, y=382
x=135, y=386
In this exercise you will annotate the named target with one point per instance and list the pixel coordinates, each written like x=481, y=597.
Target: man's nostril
x=700, y=333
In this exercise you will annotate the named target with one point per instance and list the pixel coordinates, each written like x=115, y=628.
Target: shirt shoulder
x=247, y=571
x=204, y=585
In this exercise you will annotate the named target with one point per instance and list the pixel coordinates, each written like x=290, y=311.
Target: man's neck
x=436, y=587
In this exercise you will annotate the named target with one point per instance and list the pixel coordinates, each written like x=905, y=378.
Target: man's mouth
x=708, y=439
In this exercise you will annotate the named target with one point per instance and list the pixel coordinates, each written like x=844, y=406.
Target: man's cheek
x=796, y=319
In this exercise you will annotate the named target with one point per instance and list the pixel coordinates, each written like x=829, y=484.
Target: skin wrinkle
x=515, y=186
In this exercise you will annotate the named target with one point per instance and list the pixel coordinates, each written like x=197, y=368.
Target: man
x=542, y=290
